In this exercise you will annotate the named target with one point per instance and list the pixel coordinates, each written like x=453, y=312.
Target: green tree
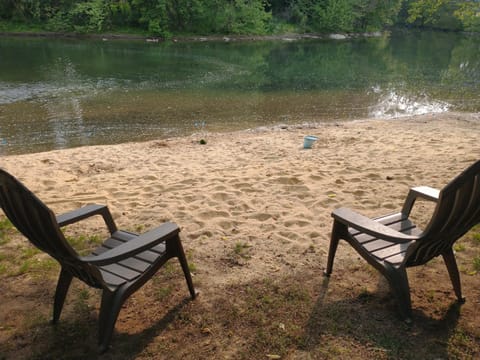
x=469, y=14
x=373, y=15
x=152, y=16
x=246, y=17
x=89, y=16
x=333, y=16
x=345, y=15
x=433, y=13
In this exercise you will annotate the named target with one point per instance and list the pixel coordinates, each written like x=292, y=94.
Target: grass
x=280, y=315
x=459, y=247
x=6, y=229
x=476, y=236
x=472, y=244
x=476, y=263
x=15, y=27
x=84, y=245
x=241, y=249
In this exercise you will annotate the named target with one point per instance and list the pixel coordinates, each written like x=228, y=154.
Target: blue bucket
x=308, y=141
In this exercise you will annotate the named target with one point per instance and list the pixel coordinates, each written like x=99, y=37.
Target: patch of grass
x=81, y=304
x=268, y=314
x=34, y=319
x=6, y=228
x=191, y=265
x=391, y=344
x=474, y=234
x=24, y=267
x=476, y=263
x=241, y=249
x=3, y=269
x=460, y=343
x=29, y=252
x=84, y=245
x=139, y=228
x=240, y=254
x=169, y=269
x=6, y=264
x=5, y=224
x=44, y=266
x=458, y=247
x=476, y=237
x=12, y=26
x=163, y=292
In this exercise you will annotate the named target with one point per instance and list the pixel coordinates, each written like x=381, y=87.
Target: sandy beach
x=257, y=189
x=254, y=209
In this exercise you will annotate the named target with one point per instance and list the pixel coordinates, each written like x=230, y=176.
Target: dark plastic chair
x=393, y=242
x=120, y=266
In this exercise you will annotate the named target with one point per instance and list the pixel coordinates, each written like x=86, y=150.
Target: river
x=60, y=93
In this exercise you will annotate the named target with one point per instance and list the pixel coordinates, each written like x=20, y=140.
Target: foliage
x=88, y=16
x=425, y=12
x=375, y=14
x=166, y=17
x=246, y=16
x=345, y=15
x=334, y=16
x=442, y=14
x=469, y=14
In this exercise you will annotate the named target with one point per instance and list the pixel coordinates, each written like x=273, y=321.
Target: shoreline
x=217, y=37
x=195, y=38
x=198, y=135
x=259, y=189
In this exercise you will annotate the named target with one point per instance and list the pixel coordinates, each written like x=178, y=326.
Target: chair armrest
x=85, y=212
x=369, y=226
x=424, y=192
x=143, y=242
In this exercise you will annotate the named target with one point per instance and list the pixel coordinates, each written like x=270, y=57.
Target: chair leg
x=64, y=281
x=451, y=263
x=183, y=262
x=337, y=230
x=109, y=310
x=398, y=281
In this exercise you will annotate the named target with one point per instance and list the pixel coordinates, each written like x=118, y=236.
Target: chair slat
x=391, y=250
x=121, y=271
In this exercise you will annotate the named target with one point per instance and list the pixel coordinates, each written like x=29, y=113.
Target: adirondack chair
x=119, y=267
x=393, y=242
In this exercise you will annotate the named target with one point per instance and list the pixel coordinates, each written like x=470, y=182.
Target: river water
x=60, y=93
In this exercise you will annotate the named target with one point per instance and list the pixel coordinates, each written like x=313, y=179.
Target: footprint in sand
x=296, y=222
x=261, y=216
x=287, y=180
x=221, y=196
x=210, y=214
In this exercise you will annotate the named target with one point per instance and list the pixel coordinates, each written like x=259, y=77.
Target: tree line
x=165, y=18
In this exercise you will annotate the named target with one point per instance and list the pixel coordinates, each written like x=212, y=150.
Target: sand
x=255, y=202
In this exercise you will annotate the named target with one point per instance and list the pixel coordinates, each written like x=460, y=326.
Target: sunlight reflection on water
x=393, y=105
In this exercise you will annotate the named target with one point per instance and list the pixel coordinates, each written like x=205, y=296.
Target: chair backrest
x=32, y=217
x=457, y=211
x=38, y=223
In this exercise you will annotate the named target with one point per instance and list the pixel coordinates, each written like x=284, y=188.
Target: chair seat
x=384, y=250
x=131, y=268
